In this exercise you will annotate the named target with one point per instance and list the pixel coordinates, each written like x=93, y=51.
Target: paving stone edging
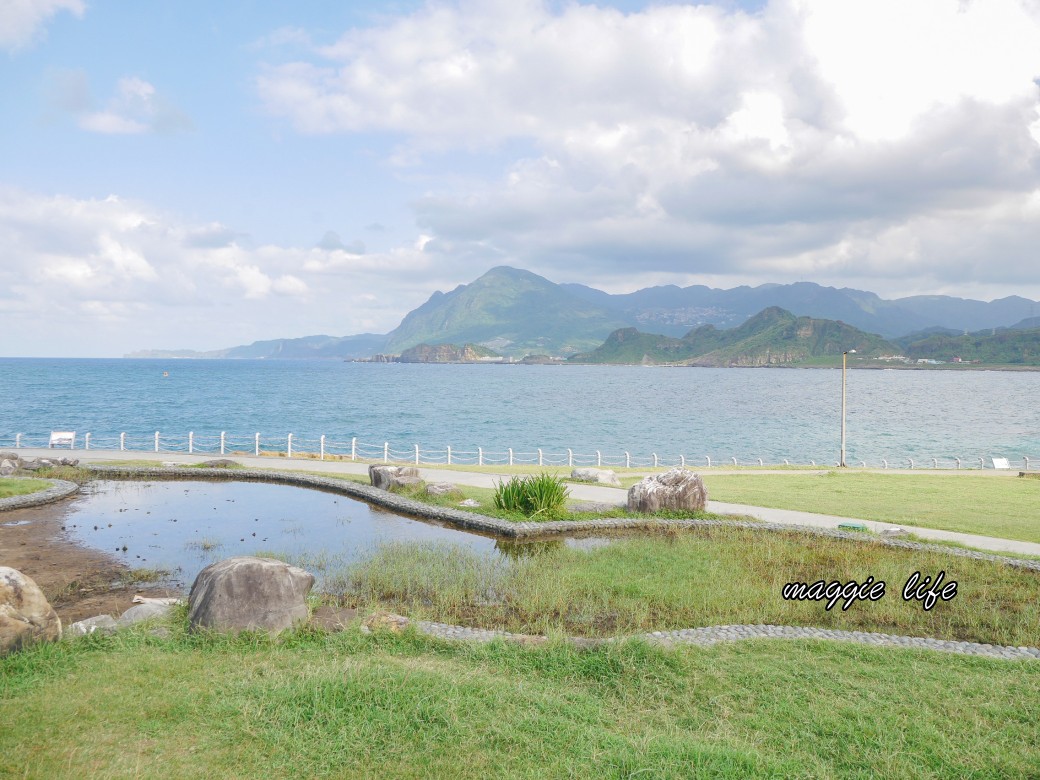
x=532, y=530
x=713, y=635
x=58, y=490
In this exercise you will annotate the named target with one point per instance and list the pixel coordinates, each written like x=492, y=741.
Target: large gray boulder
x=677, y=489
x=25, y=614
x=249, y=594
x=596, y=476
x=389, y=477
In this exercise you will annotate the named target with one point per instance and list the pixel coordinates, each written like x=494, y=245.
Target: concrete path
x=592, y=493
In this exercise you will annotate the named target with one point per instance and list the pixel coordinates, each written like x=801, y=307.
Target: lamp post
x=844, y=358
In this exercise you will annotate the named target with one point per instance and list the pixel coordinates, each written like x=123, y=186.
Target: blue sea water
x=773, y=414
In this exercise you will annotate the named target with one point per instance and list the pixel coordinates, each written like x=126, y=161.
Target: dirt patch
x=78, y=582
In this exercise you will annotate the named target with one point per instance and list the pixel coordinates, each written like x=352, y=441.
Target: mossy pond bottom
x=182, y=527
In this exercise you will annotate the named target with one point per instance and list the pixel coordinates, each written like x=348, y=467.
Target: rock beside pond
x=385, y=621
x=389, y=477
x=12, y=461
x=443, y=489
x=25, y=614
x=102, y=624
x=677, y=490
x=249, y=594
x=144, y=612
x=597, y=476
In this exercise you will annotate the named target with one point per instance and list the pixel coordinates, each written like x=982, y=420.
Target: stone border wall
x=58, y=490
x=529, y=530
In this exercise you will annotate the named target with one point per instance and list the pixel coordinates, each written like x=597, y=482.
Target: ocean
x=690, y=413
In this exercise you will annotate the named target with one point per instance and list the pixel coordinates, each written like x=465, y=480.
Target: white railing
x=325, y=448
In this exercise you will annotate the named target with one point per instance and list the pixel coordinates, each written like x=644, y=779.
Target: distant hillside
x=447, y=353
x=772, y=337
x=345, y=347
x=510, y=311
x=993, y=347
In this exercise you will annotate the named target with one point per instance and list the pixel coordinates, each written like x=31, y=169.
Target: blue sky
x=187, y=174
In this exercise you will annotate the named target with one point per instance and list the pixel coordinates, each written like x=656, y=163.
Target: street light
x=844, y=358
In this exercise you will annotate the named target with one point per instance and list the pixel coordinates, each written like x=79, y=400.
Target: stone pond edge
x=58, y=490
x=530, y=530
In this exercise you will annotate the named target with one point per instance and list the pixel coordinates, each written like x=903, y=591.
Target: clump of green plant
x=543, y=495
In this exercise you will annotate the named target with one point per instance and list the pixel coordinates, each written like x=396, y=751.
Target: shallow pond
x=182, y=527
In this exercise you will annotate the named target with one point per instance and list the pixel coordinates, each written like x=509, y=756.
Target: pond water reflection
x=184, y=526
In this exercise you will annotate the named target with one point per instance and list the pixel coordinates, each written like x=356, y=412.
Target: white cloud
x=83, y=275
x=686, y=139
x=22, y=21
x=134, y=108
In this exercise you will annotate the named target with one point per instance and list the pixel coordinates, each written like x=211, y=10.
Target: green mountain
x=773, y=337
x=511, y=311
x=993, y=347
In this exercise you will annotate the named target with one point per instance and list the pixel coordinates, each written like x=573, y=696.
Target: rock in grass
x=249, y=594
x=385, y=621
x=443, y=489
x=144, y=612
x=220, y=463
x=389, y=477
x=102, y=624
x=25, y=614
x=676, y=490
x=597, y=476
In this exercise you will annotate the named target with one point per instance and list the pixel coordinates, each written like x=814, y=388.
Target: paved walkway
x=592, y=493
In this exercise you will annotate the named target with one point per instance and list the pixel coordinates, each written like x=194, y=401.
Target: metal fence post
x=708, y=458
x=122, y=442
x=223, y=441
x=682, y=461
x=353, y=448
x=386, y=452
x=911, y=461
x=599, y=459
x=628, y=461
x=288, y=446
x=935, y=463
x=511, y=458
x=449, y=454
x=480, y=456
x=570, y=458
x=959, y=462
x=256, y=444
x=884, y=462
x=322, y=446
x=655, y=460
x=157, y=441
x=18, y=441
x=760, y=463
x=416, y=454
x=539, y=457
x=191, y=442
x=86, y=446
x=734, y=461
x=1026, y=459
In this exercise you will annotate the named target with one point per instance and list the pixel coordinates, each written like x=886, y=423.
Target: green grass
x=686, y=579
x=347, y=705
x=1002, y=506
x=21, y=487
x=536, y=495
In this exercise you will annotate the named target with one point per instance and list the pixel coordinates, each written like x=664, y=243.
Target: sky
x=183, y=174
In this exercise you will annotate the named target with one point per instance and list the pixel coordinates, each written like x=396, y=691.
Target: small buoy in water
x=165, y=373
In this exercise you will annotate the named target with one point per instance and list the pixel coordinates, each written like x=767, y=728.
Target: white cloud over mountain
x=897, y=142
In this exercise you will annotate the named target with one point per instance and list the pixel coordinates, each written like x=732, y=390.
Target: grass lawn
x=1004, y=506
x=21, y=487
x=350, y=705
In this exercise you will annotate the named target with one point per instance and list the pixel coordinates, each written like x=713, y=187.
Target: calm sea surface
x=773, y=414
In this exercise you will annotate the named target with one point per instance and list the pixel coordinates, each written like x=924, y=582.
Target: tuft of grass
x=75, y=474
x=538, y=495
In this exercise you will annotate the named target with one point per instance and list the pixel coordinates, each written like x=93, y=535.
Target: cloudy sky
x=187, y=174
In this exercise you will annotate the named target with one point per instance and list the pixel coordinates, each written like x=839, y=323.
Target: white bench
x=1001, y=463
x=63, y=438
